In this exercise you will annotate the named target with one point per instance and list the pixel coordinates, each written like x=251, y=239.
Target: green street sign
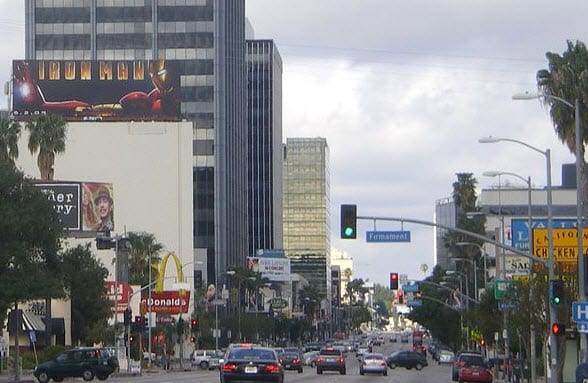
x=502, y=287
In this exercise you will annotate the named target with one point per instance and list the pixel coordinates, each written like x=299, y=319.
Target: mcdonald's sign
x=169, y=302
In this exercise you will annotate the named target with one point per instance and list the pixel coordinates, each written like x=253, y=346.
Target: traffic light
x=556, y=292
x=140, y=323
x=180, y=327
x=194, y=325
x=348, y=221
x=103, y=241
x=558, y=329
x=400, y=296
x=393, y=281
x=192, y=339
x=482, y=342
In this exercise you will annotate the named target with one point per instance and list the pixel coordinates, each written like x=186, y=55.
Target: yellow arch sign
x=163, y=266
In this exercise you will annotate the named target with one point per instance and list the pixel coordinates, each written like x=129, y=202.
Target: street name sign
x=582, y=327
x=411, y=287
x=387, y=236
x=414, y=303
x=580, y=312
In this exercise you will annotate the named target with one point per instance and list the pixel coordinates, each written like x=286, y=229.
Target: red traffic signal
x=558, y=329
x=482, y=342
x=192, y=339
x=400, y=296
x=194, y=324
x=393, y=281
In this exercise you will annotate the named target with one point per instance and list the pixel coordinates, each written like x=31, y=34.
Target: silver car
x=373, y=363
x=446, y=357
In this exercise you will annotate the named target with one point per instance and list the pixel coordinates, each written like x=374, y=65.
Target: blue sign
x=411, y=288
x=414, y=303
x=503, y=306
x=520, y=229
x=580, y=312
x=387, y=236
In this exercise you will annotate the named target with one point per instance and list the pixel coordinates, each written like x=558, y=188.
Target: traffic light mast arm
x=440, y=302
x=461, y=231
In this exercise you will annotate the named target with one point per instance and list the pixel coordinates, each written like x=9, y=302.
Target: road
x=432, y=373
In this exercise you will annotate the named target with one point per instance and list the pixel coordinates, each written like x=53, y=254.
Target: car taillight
x=382, y=363
x=281, y=361
x=296, y=360
x=229, y=367
x=272, y=368
x=319, y=360
x=341, y=360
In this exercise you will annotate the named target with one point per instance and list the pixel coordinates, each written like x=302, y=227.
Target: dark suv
x=85, y=362
x=330, y=359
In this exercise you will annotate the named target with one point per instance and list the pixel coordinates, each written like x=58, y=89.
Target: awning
x=32, y=321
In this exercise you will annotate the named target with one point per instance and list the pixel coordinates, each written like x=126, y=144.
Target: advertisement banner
x=274, y=269
x=81, y=206
x=96, y=90
x=118, y=294
x=168, y=302
x=520, y=229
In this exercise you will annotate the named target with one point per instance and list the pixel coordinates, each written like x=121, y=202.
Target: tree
x=84, y=278
x=144, y=246
x=9, y=135
x=30, y=234
x=47, y=136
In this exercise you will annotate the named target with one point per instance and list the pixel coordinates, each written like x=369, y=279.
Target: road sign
x=582, y=327
x=501, y=288
x=387, y=236
x=411, y=288
x=503, y=306
x=414, y=303
x=580, y=312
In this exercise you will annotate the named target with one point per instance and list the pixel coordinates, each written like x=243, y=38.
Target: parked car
x=373, y=363
x=251, y=363
x=291, y=361
x=201, y=358
x=446, y=357
x=330, y=359
x=84, y=362
x=463, y=359
x=406, y=359
x=309, y=358
x=475, y=373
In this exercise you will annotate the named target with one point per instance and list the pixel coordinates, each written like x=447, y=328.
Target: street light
x=474, y=266
x=449, y=273
x=550, y=261
x=239, y=281
x=483, y=255
x=530, y=225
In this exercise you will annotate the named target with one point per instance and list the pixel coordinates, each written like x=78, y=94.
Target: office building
x=306, y=210
x=206, y=40
x=264, y=141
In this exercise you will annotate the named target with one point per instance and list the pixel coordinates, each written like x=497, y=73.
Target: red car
x=475, y=373
x=419, y=348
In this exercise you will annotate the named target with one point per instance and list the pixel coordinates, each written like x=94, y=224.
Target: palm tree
x=567, y=78
x=144, y=246
x=47, y=136
x=9, y=136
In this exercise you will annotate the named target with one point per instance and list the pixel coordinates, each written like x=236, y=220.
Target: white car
x=446, y=357
x=361, y=350
x=201, y=358
x=373, y=363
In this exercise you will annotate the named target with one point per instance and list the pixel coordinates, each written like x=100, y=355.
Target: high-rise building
x=206, y=38
x=306, y=210
x=264, y=141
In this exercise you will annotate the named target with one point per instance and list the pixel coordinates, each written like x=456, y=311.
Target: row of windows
x=124, y=54
x=53, y=54
x=198, y=93
x=63, y=28
x=187, y=54
x=203, y=161
x=189, y=107
x=197, y=80
x=185, y=26
x=113, y=3
x=129, y=27
x=63, y=3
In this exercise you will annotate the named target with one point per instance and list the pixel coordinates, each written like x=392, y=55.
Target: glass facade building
x=306, y=210
x=264, y=141
x=207, y=40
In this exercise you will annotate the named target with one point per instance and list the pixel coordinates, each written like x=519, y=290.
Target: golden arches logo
x=162, y=268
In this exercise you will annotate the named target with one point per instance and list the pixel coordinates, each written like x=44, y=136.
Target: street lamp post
x=579, y=193
x=474, y=266
x=461, y=308
x=550, y=261
x=531, y=290
x=483, y=255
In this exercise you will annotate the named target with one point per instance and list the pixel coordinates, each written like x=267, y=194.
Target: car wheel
x=88, y=375
x=102, y=376
x=392, y=365
x=43, y=377
x=58, y=378
x=418, y=366
x=204, y=365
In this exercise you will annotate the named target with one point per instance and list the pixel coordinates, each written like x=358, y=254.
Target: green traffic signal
x=556, y=291
x=349, y=221
x=348, y=231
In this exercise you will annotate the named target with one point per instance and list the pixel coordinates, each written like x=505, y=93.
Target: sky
x=402, y=91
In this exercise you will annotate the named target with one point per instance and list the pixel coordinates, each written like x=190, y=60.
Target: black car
x=407, y=359
x=330, y=359
x=251, y=363
x=291, y=361
x=84, y=362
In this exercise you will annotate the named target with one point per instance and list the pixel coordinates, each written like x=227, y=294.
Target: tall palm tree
x=9, y=136
x=144, y=246
x=47, y=136
x=567, y=78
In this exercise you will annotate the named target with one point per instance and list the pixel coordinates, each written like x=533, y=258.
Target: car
x=309, y=358
x=200, y=358
x=291, y=361
x=475, y=373
x=445, y=357
x=404, y=338
x=251, y=363
x=465, y=358
x=362, y=349
x=84, y=362
x=406, y=359
x=373, y=363
x=420, y=348
x=330, y=359
x=215, y=360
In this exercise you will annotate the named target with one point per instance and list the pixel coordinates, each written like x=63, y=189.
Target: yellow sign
x=565, y=244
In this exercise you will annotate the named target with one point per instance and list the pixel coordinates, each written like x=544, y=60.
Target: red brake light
x=229, y=367
x=341, y=360
x=318, y=360
x=296, y=360
x=329, y=348
x=272, y=368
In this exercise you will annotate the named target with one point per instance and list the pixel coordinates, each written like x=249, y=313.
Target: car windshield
x=289, y=355
x=374, y=356
x=472, y=360
x=251, y=354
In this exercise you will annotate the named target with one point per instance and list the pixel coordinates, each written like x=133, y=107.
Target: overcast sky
x=402, y=90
